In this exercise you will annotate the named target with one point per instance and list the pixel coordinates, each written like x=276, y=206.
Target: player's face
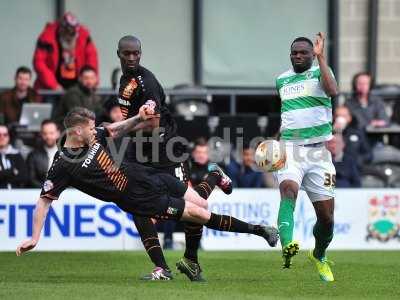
x=88, y=132
x=129, y=54
x=301, y=56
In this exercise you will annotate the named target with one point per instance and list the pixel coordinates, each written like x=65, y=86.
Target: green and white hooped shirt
x=306, y=111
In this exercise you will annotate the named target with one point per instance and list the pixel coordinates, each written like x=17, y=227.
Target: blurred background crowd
x=65, y=73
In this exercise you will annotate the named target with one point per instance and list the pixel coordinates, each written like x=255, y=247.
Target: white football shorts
x=311, y=168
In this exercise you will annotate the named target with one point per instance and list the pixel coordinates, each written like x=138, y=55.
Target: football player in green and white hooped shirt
x=306, y=123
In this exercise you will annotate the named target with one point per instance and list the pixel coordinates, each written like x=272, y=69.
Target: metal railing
x=209, y=94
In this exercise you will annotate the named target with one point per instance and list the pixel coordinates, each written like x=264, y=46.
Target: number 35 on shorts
x=329, y=180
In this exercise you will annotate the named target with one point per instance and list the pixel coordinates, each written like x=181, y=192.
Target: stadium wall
x=364, y=219
x=388, y=60
x=166, y=30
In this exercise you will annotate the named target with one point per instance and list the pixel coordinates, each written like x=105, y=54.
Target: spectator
x=11, y=101
x=357, y=145
x=199, y=161
x=82, y=94
x=112, y=111
x=62, y=50
x=369, y=110
x=13, y=173
x=245, y=175
x=347, y=175
x=40, y=159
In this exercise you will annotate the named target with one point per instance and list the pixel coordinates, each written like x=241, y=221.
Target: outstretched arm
x=140, y=121
x=327, y=80
x=42, y=208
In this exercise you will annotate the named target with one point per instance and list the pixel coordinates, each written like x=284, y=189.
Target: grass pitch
x=230, y=275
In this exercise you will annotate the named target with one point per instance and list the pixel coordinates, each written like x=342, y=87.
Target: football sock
x=151, y=243
x=229, y=223
x=285, y=220
x=205, y=187
x=323, y=236
x=193, y=231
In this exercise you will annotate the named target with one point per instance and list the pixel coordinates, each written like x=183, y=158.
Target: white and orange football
x=270, y=156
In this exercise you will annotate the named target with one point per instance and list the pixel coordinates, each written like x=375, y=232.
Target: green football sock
x=323, y=236
x=285, y=220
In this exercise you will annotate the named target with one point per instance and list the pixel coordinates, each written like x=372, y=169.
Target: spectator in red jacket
x=62, y=49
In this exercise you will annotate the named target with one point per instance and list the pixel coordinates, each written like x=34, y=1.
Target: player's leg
x=323, y=233
x=319, y=184
x=151, y=243
x=189, y=264
x=290, y=179
x=193, y=232
x=288, y=190
x=198, y=194
x=200, y=215
x=323, y=228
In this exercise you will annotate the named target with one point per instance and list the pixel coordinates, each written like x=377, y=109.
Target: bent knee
x=289, y=189
x=326, y=220
x=197, y=212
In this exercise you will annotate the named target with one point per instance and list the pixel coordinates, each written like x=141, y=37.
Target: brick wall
x=388, y=61
x=353, y=41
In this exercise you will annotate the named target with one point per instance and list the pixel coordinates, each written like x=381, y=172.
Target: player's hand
x=26, y=246
x=147, y=111
x=151, y=103
x=319, y=44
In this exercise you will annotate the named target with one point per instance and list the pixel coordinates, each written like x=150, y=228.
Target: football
x=270, y=156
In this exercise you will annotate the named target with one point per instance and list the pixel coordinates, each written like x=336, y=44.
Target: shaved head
x=129, y=52
x=128, y=39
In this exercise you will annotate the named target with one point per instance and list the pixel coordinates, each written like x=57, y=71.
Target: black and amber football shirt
x=89, y=169
x=135, y=90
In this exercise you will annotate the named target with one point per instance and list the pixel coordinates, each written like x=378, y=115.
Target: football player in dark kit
x=85, y=163
x=137, y=87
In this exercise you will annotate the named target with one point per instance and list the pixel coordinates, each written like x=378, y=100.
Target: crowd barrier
x=364, y=219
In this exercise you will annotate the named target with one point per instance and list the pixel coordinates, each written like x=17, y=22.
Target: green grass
x=230, y=275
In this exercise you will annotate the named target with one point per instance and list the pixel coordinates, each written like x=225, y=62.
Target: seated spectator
x=367, y=109
x=347, y=175
x=395, y=139
x=245, y=175
x=13, y=173
x=11, y=101
x=112, y=111
x=199, y=161
x=40, y=159
x=82, y=94
x=62, y=50
x=357, y=145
